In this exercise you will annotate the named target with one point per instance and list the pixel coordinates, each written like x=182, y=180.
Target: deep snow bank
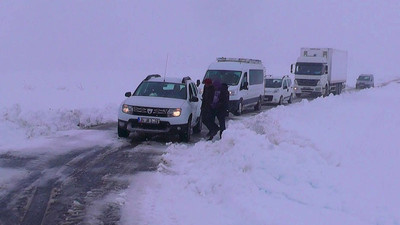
x=328, y=161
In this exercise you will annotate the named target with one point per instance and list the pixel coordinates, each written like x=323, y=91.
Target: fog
x=92, y=39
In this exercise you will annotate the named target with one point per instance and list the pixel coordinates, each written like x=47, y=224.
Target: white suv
x=161, y=105
x=278, y=89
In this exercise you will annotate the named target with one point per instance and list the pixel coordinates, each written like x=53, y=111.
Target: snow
x=331, y=161
x=328, y=161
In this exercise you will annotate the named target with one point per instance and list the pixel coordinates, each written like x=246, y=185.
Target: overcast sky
x=68, y=37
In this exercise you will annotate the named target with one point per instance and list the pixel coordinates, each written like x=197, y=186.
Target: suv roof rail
x=241, y=60
x=185, y=79
x=151, y=76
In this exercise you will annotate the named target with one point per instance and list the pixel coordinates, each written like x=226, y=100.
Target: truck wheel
x=122, y=132
x=198, y=127
x=185, y=135
x=326, y=91
x=290, y=99
x=257, y=107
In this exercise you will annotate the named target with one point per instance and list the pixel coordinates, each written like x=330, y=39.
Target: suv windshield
x=366, y=78
x=161, y=89
x=309, y=68
x=273, y=83
x=228, y=77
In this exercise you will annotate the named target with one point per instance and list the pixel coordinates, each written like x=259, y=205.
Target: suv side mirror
x=194, y=99
x=326, y=69
x=285, y=87
x=291, y=68
x=198, y=83
x=128, y=94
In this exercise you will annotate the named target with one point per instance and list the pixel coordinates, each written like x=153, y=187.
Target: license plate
x=149, y=120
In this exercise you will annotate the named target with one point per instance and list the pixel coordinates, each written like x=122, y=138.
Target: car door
x=285, y=89
x=244, y=92
x=194, y=105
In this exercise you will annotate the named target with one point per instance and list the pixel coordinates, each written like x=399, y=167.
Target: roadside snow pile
x=330, y=161
x=19, y=124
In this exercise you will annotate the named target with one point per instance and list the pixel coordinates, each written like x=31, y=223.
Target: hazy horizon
x=69, y=38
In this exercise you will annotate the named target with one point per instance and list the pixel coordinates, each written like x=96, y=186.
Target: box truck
x=319, y=72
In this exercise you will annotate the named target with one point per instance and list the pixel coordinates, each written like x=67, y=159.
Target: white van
x=245, y=79
x=278, y=90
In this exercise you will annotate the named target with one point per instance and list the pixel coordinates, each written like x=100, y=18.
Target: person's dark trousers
x=209, y=120
x=221, y=119
x=221, y=116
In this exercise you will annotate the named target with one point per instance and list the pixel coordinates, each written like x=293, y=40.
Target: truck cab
x=319, y=71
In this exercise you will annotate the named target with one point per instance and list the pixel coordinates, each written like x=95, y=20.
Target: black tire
x=187, y=133
x=198, y=127
x=280, y=101
x=326, y=91
x=290, y=99
x=239, y=111
x=257, y=107
x=123, y=133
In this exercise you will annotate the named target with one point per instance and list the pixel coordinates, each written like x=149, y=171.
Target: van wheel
x=198, y=127
x=257, y=107
x=186, y=134
x=290, y=99
x=280, y=101
x=123, y=133
x=326, y=91
x=240, y=108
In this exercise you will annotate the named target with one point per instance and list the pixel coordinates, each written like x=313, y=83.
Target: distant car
x=278, y=90
x=365, y=81
x=161, y=106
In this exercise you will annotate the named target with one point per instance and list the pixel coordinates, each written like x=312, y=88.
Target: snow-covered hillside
x=327, y=161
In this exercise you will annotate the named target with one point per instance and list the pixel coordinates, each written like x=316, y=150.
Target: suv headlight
x=128, y=109
x=232, y=92
x=174, y=112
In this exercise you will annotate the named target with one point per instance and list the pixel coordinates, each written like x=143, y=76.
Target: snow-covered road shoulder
x=330, y=161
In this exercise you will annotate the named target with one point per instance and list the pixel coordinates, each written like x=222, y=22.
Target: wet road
x=70, y=188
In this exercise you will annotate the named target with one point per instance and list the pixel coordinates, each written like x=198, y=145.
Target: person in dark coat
x=222, y=107
x=207, y=113
x=219, y=108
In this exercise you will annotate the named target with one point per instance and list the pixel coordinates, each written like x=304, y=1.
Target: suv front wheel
x=122, y=132
x=186, y=134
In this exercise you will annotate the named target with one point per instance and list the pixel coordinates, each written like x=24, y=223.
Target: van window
x=243, y=80
x=228, y=77
x=256, y=77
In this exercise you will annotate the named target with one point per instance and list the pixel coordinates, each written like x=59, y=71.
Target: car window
x=161, y=89
x=194, y=89
x=273, y=83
